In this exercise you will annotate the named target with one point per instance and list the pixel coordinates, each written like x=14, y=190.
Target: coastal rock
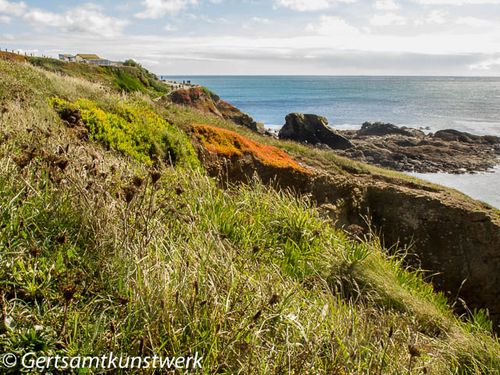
x=451, y=135
x=407, y=149
x=382, y=129
x=204, y=100
x=312, y=129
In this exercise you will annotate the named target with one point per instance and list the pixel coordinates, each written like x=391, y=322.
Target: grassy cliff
x=114, y=238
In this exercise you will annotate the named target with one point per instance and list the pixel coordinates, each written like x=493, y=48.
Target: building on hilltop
x=66, y=57
x=89, y=58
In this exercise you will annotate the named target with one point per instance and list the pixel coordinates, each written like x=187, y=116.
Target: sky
x=279, y=37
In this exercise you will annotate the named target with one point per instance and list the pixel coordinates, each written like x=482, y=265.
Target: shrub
x=134, y=129
x=229, y=144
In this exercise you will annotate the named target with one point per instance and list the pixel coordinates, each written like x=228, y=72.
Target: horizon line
x=332, y=75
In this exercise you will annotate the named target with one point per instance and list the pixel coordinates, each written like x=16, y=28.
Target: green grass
x=130, y=77
x=105, y=255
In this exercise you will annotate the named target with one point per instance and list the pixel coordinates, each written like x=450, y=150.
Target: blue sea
x=469, y=104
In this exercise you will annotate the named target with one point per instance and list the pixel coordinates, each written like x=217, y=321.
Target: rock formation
x=312, y=129
x=406, y=149
x=382, y=129
x=206, y=101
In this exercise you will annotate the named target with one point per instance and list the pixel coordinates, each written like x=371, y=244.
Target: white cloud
x=256, y=22
x=85, y=19
x=335, y=27
x=388, y=19
x=309, y=5
x=5, y=19
x=170, y=27
x=457, y=2
x=437, y=17
x=16, y=9
x=486, y=65
x=386, y=5
x=159, y=8
x=473, y=22
x=260, y=20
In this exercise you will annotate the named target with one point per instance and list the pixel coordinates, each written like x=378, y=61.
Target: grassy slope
x=251, y=278
x=130, y=78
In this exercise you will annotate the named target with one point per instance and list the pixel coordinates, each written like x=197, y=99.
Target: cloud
x=473, y=22
x=309, y=5
x=333, y=26
x=5, y=19
x=386, y=5
x=260, y=20
x=170, y=27
x=457, y=2
x=486, y=64
x=437, y=16
x=388, y=19
x=159, y=8
x=12, y=8
x=87, y=19
x=255, y=22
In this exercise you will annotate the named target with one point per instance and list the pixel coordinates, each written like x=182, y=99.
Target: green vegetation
x=100, y=253
x=133, y=128
x=130, y=77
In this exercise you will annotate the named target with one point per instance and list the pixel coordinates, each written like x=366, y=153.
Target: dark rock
x=406, y=149
x=458, y=136
x=230, y=112
x=382, y=129
x=312, y=129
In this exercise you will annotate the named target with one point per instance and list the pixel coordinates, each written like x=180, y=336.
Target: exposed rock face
x=454, y=238
x=206, y=101
x=312, y=129
x=406, y=149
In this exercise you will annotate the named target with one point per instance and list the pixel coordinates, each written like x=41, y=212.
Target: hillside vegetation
x=114, y=238
x=131, y=77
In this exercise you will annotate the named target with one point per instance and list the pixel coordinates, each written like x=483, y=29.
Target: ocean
x=469, y=104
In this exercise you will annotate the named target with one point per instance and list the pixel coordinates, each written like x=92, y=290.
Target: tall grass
x=102, y=254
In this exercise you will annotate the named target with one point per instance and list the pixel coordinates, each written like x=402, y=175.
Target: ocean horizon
x=430, y=103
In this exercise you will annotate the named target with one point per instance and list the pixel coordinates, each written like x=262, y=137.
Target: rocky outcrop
x=313, y=129
x=406, y=149
x=204, y=100
x=382, y=129
x=453, y=237
x=452, y=135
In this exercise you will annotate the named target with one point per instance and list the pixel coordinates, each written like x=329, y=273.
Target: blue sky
x=414, y=37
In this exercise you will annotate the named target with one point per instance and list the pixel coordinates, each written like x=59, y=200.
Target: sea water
x=470, y=104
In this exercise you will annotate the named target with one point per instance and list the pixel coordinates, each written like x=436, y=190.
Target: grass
x=131, y=77
x=101, y=254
